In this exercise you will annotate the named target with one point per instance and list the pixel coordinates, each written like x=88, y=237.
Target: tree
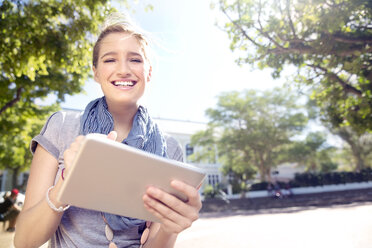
x=206, y=150
x=313, y=152
x=15, y=152
x=360, y=146
x=328, y=41
x=253, y=129
x=46, y=48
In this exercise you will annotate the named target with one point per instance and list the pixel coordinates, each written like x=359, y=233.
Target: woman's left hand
x=174, y=214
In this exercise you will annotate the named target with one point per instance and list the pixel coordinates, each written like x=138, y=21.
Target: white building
x=182, y=132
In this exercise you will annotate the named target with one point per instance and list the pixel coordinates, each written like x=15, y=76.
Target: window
x=213, y=180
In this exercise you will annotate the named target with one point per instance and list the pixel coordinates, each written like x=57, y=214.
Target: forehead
x=121, y=42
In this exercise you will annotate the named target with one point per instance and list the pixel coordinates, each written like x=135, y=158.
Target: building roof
x=180, y=126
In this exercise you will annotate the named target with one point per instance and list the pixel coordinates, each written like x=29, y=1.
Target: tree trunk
x=347, y=136
x=359, y=160
x=268, y=175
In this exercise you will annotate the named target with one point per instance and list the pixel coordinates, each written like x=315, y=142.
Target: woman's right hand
x=70, y=153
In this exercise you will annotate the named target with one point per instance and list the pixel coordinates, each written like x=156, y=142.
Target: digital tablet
x=112, y=177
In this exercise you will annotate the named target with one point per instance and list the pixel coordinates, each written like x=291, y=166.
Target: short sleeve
x=49, y=135
x=174, y=150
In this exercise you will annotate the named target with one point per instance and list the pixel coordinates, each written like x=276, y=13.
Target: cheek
x=103, y=71
x=139, y=70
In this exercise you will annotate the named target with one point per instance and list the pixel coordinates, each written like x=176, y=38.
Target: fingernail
x=151, y=190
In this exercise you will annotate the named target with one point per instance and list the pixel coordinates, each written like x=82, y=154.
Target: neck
x=123, y=119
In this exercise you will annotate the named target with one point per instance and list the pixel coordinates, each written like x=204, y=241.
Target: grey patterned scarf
x=144, y=135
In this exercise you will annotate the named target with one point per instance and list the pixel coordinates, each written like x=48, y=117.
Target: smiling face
x=121, y=69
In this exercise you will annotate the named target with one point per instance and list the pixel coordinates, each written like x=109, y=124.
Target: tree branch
x=240, y=28
x=351, y=40
x=263, y=32
x=13, y=101
x=290, y=20
x=299, y=48
x=295, y=40
x=347, y=87
x=351, y=51
x=282, y=50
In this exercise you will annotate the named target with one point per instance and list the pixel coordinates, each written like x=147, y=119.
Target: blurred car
x=20, y=197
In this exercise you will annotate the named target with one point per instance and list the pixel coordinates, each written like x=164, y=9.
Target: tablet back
x=112, y=177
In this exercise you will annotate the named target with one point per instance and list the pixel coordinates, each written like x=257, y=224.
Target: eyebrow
x=115, y=53
x=107, y=54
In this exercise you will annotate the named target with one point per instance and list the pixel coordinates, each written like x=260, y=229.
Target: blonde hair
x=120, y=23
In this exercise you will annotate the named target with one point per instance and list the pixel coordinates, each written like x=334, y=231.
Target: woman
x=121, y=66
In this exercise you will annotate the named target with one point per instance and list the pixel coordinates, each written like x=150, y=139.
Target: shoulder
x=60, y=128
x=70, y=119
x=174, y=149
x=61, y=119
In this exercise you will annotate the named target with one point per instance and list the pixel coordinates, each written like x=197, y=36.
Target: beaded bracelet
x=52, y=206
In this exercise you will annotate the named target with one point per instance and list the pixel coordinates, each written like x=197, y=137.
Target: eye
x=109, y=60
x=135, y=60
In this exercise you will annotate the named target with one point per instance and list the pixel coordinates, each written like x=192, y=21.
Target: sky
x=193, y=62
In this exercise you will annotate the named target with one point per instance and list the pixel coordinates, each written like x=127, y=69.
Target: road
x=346, y=226
x=339, y=226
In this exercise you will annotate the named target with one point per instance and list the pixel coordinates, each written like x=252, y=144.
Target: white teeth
x=123, y=83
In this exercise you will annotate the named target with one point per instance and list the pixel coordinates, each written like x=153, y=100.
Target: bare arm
x=36, y=211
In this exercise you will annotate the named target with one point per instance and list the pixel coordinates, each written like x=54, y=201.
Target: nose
x=123, y=68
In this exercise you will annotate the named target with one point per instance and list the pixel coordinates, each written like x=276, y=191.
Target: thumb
x=112, y=135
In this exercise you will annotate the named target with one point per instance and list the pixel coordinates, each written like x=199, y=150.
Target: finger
x=77, y=142
x=199, y=186
x=166, y=215
x=162, y=210
x=69, y=154
x=165, y=203
x=191, y=193
x=112, y=135
x=166, y=223
x=79, y=139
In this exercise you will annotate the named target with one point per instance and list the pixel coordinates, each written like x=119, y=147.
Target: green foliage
x=330, y=42
x=206, y=151
x=359, y=146
x=311, y=179
x=312, y=152
x=319, y=179
x=18, y=127
x=251, y=130
x=209, y=191
x=46, y=49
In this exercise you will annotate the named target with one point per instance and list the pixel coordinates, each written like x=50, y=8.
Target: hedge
x=309, y=179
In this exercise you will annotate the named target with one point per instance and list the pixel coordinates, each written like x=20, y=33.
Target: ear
x=95, y=73
x=149, y=74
